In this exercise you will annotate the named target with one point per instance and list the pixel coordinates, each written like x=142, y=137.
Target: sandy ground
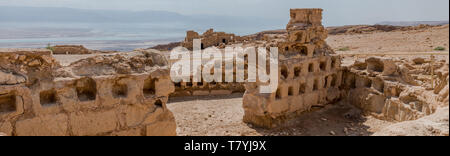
x=222, y=115
x=424, y=40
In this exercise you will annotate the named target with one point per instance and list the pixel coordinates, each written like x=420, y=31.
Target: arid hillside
x=425, y=39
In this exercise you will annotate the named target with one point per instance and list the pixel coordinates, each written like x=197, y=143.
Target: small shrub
x=49, y=47
x=344, y=49
x=439, y=49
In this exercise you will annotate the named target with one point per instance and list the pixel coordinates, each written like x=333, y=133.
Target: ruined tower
x=309, y=74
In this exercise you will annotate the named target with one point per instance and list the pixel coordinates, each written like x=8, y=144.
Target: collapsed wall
x=209, y=39
x=309, y=74
x=70, y=49
x=396, y=90
x=203, y=88
x=102, y=95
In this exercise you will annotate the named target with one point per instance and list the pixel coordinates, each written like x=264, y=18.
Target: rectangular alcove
x=297, y=72
x=311, y=67
x=120, y=90
x=302, y=89
x=48, y=98
x=7, y=103
x=316, y=85
x=291, y=91
x=323, y=66
x=86, y=89
x=149, y=89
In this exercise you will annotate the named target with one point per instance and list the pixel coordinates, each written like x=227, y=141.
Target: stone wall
x=74, y=103
x=392, y=89
x=70, y=49
x=209, y=39
x=309, y=74
x=204, y=88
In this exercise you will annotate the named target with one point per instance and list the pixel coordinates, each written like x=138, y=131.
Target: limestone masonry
x=102, y=95
x=70, y=49
x=391, y=90
x=210, y=38
x=125, y=94
x=309, y=74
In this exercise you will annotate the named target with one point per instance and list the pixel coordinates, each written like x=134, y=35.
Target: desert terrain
x=222, y=115
x=374, y=64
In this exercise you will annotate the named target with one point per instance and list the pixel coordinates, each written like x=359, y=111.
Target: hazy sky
x=337, y=12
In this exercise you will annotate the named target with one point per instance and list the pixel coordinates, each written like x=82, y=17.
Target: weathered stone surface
x=100, y=95
x=6, y=128
x=308, y=74
x=209, y=38
x=70, y=49
x=93, y=123
x=49, y=125
x=161, y=128
x=200, y=93
x=386, y=87
x=221, y=92
x=10, y=79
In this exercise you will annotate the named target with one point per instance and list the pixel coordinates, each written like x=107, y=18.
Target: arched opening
x=323, y=66
x=311, y=67
x=297, y=71
x=316, y=85
x=158, y=103
x=284, y=71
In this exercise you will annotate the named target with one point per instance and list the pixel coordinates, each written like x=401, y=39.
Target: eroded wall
x=71, y=101
x=70, y=49
x=396, y=90
x=209, y=39
x=309, y=74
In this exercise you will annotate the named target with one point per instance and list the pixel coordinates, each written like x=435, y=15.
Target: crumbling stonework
x=70, y=49
x=204, y=88
x=309, y=74
x=209, y=39
x=127, y=98
x=392, y=90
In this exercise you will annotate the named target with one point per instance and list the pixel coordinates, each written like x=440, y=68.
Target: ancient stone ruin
x=102, y=95
x=204, y=88
x=126, y=94
x=312, y=75
x=70, y=49
x=309, y=74
x=390, y=89
x=209, y=39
